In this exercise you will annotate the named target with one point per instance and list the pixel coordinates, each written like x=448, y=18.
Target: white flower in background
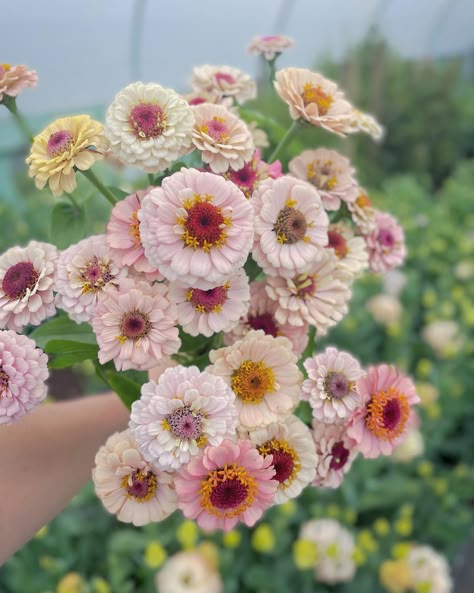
x=429, y=571
x=413, y=446
x=188, y=572
x=385, y=309
x=444, y=336
x=365, y=122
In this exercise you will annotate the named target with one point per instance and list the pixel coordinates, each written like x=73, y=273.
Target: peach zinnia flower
x=223, y=82
x=350, y=250
x=314, y=98
x=67, y=144
x=13, y=79
x=226, y=485
x=386, y=244
x=196, y=228
x=336, y=452
x=222, y=138
x=270, y=46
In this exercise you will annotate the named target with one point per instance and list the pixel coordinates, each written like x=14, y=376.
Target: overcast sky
x=82, y=51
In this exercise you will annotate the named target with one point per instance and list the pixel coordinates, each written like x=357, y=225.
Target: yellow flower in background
x=400, y=550
x=46, y=562
x=72, y=582
x=305, y=554
x=425, y=469
x=428, y=393
x=382, y=526
x=100, y=585
x=366, y=541
x=155, y=554
x=263, y=538
x=406, y=510
x=41, y=533
x=440, y=486
x=288, y=508
x=210, y=552
x=187, y=534
x=403, y=526
x=350, y=516
x=359, y=556
x=333, y=511
x=424, y=367
x=231, y=539
x=395, y=575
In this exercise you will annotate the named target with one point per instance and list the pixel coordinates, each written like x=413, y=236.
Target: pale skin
x=46, y=457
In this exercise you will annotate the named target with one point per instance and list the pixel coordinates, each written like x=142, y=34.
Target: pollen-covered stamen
x=58, y=143
x=4, y=382
x=340, y=455
x=228, y=491
x=19, y=279
x=290, y=226
x=223, y=76
x=134, y=229
x=265, y=321
x=95, y=275
x=363, y=201
x=217, y=129
x=338, y=243
x=386, y=239
x=204, y=225
x=141, y=485
x=285, y=461
x=304, y=285
x=322, y=175
x=208, y=301
x=184, y=423
x=252, y=381
x=387, y=413
x=134, y=325
x=147, y=120
x=316, y=95
x=337, y=385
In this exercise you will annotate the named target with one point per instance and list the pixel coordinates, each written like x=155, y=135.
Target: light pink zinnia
x=226, y=485
x=381, y=424
x=13, y=79
x=314, y=98
x=331, y=387
x=263, y=374
x=251, y=175
x=135, y=325
x=291, y=226
x=23, y=372
x=196, y=228
x=130, y=487
x=386, y=244
x=210, y=311
x=362, y=211
x=261, y=315
x=224, y=82
x=336, y=452
x=350, y=250
x=83, y=271
x=182, y=413
x=330, y=173
x=270, y=46
x=26, y=285
x=222, y=138
x=319, y=297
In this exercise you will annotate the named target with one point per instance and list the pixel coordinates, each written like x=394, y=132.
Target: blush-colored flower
x=261, y=315
x=331, y=174
x=222, y=138
x=13, y=79
x=429, y=571
x=251, y=175
x=290, y=226
x=148, y=126
x=26, y=285
x=270, y=46
x=314, y=98
x=386, y=244
x=135, y=325
x=210, y=311
x=196, y=228
x=385, y=309
x=182, y=413
x=362, y=211
x=381, y=424
x=23, y=372
x=198, y=97
x=336, y=452
x=224, y=82
x=331, y=387
x=262, y=372
x=128, y=486
x=188, y=571
x=83, y=271
x=318, y=297
x=365, y=122
x=350, y=250
x=293, y=455
x=67, y=144
x=226, y=485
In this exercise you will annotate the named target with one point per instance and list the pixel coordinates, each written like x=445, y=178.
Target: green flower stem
x=10, y=104
x=108, y=195
x=271, y=68
x=284, y=141
x=151, y=179
x=74, y=202
x=308, y=351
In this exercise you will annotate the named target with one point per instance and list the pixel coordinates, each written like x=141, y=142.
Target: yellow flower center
x=134, y=229
x=315, y=94
x=363, y=201
x=228, y=492
x=252, y=381
x=321, y=176
x=387, y=413
x=6, y=67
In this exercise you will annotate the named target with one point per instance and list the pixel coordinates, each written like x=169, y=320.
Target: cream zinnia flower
x=224, y=81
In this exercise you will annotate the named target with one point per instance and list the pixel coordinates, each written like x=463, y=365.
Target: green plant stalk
x=10, y=104
x=308, y=351
x=284, y=141
x=92, y=177
x=151, y=179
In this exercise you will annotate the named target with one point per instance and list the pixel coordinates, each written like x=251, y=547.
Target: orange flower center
x=252, y=381
x=285, y=462
x=228, y=492
x=387, y=413
x=134, y=229
x=316, y=95
x=363, y=201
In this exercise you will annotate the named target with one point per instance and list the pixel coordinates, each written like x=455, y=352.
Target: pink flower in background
x=182, y=413
x=26, y=285
x=381, y=424
x=23, y=372
x=223, y=82
x=196, y=228
x=350, y=250
x=210, y=311
x=134, y=324
x=198, y=97
x=130, y=487
x=270, y=46
x=290, y=226
x=13, y=79
x=226, y=485
x=331, y=387
x=251, y=175
x=336, y=452
x=386, y=244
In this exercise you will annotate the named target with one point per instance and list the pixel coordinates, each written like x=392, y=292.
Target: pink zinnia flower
x=226, y=485
x=331, y=387
x=336, y=452
x=263, y=374
x=130, y=487
x=135, y=325
x=261, y=315
x=222, y=138
x=83, y=271
x=330, y=173
x=386, y=244
x=123, y=235
x=319, y=297
x=210, y=311
x=380, y=425
x=290, y=226
x=223, y=82
x=23, y=372
x=362, y=211
x=251, y=175
x=182, y=413
x=270, y=46
x=196, y=228
x=26, y=285
x=13, y=79
x=350, y=250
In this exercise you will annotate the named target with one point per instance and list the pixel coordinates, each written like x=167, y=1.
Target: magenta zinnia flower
x=386, y=244
x=226, y=485
x=251, y=175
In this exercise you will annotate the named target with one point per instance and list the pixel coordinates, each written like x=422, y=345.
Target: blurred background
x=410, y=63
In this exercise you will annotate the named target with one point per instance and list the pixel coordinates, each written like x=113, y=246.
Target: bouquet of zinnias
x=215, y=278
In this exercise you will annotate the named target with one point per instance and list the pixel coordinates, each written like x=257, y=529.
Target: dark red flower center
x=336, y=385
x=290, y=226
x=283, y=464
x=142, y=485
x=228, y=494
x=18, y=279
x=244, y=177
x=206, y=301
x=338, y=243
x=391, y=414
x=264, y=321
x=197, y=101
x=58, y=143
x=340, y=455
x=147, y=120
x=204, y=225
x=185, y=423
x=135, y=325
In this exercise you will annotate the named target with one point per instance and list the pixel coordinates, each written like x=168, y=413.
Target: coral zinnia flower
x=226, y=485
x=67, y=144
x=223, y=82
x=386, y=244
x=270, y=46
x=336, y=452
x=13, y=79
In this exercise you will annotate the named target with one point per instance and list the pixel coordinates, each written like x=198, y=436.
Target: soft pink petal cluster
x=350, y=250
x=336, y=452
x=270, y=46
x=386, y=244
x=224, y=82
x=251, y=175
x=13, y=79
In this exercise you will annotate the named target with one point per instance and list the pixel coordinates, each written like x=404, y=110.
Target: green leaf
x=252, y=269
x=62, y=328
x=65, y=353
x=68, y=224
x=126, y=388
x=120, y=194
